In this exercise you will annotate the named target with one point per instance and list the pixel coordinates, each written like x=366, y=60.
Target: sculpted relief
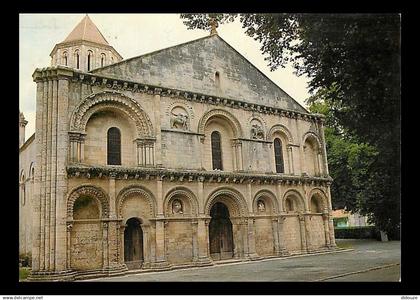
x=177, y=207
x=257, y=131
x=179, y=119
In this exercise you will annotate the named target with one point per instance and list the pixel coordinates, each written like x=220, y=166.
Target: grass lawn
x=23, y=273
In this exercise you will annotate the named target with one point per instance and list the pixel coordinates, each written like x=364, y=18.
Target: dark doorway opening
x=220, y=233
x=133, y=244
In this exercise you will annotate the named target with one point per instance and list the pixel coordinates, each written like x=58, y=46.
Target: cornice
x=175, y=175
x=137, y=87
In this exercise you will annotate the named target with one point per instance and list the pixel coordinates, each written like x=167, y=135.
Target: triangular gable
x=192, y=66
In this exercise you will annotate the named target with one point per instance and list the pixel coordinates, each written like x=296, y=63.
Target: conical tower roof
x=86, y=30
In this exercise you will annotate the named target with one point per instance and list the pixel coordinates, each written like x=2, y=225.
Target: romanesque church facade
x=181, y=157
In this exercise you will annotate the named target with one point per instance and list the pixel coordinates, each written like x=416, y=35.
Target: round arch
x=186, y=193
x=283, y=130
x=312, y=136
x=267, y=196
x=115, y=101
x=96, y=193
x=233, y=200
x=135, y=189
x=295, y=194
x=321, y=196
x=232, y=121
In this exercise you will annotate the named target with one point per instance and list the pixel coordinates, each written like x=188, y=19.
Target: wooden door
x=220, y=233
x=133, y=244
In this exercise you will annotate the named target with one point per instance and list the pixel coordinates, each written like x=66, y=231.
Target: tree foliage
x=353, y=62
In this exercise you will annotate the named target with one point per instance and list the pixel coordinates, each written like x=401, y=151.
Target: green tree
x=353, y=62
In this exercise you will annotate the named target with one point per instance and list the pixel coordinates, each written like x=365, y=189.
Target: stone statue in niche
x=261, y=206
x=179, y=121
x=177, y=207
x=257, y=132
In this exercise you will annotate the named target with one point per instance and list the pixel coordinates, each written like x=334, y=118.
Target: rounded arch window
x=65, y=58
x=77, y=59
x=103, y=57
x=217, y=79
x=216, y=151
x=278, y=155
x=114, y=146
x=89, y=60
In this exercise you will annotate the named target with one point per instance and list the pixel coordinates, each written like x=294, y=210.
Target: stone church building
x=181, y=157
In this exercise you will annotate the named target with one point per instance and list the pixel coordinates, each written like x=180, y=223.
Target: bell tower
x=85, y=49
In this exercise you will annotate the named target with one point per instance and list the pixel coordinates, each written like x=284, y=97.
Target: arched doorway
x=220, y=232
x=133, y=244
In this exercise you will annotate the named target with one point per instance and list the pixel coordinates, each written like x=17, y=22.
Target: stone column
x=203, y=240
x=309, y=246
x=324, y=149
x=157, y=115
x=330, y=217
x=105, y=249
x=194, y=241
x=122, y=243
x=282, y=242
x=146, y=246
x=290, y=159
x=275, y=228
x=69, y=228
x=235, y=157
x=326, y=229
x=239, y=155
x=160, y=245
x=319, y=162
x=302, y=233
x=240, y=242
x=251, y=253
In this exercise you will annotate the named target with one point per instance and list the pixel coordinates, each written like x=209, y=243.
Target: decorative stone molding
x=96, y=193
x=236, y=126
x=136, y=87
x=238, y=206
x=297, y=195
x=151, y=173
x=283, y=130
x=183, y=191
x=313, y=135
x=136, y=189
x=113, y=100
x=266, y=195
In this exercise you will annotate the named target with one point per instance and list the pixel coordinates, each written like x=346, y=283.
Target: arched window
x=216, y=151
x=65, y=62
x=22, y=188
x=217, y=79
x=103, y=59
x=89, y=60
x=77, y=57
x=278, y=155
x=114, y=146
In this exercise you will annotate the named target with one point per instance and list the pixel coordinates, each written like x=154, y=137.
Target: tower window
x=102, y=60
x=89, y=60
x=216, y=151
x=77, y=56
x=278, y=155
x=65, y=58
x=114, y=146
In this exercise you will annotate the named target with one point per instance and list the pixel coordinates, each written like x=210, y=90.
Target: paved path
x=369, y=261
